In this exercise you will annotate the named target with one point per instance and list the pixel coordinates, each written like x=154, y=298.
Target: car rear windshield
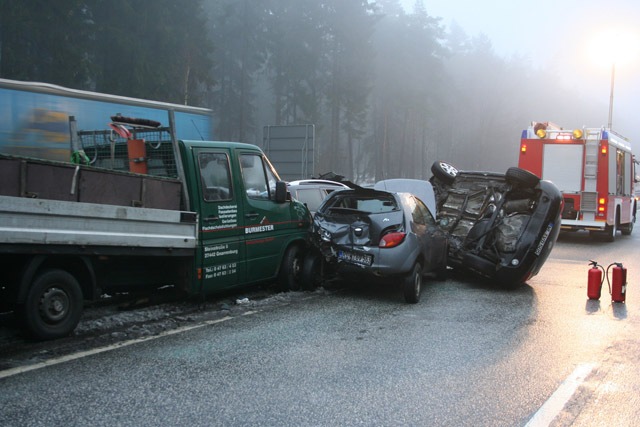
x=365, y=203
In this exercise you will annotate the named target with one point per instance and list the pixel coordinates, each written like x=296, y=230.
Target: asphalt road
x=466, y=355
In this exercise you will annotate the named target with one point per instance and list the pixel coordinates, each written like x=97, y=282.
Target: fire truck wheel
x=521, y=177
x=289, y=275
x=53, y=306
x=444, y=172
x=610, y=232
x=627, y=229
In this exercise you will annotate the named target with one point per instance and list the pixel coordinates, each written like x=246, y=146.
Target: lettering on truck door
x=221, y=226
x=265, y=220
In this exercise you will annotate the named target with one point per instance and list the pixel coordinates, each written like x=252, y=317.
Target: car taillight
x=391, y=240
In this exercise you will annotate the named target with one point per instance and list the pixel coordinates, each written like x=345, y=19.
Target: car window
x=416, y=214
x=215, y=176
x=375, y=205
x=428, y=218
x=367, y=203
x=312, y=197
x=259, y=180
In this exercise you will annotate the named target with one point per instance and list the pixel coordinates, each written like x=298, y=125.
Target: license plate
x=362, y=259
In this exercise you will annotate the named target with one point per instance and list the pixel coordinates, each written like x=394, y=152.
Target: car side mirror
x=281, y=192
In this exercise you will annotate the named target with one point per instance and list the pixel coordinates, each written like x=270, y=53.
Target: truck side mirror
x=281, y=192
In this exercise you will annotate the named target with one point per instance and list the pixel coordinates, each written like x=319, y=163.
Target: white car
x=312, y=192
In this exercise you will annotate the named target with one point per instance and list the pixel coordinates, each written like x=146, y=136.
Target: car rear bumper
x=385, y=261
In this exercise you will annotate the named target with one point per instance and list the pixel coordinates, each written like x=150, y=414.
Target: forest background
x=389, y=91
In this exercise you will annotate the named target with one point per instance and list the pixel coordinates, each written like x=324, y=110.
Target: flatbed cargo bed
x=54, y=222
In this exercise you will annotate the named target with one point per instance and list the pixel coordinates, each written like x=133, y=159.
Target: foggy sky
x=557, y=35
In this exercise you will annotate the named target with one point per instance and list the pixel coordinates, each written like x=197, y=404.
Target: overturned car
x=499, y=226
x=377, y=233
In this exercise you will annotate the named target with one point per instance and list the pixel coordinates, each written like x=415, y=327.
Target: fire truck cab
x=595, y=170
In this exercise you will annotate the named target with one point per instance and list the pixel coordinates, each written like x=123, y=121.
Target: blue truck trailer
x=34, y=117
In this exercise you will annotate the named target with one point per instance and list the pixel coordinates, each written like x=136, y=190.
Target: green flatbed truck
x=69, y=232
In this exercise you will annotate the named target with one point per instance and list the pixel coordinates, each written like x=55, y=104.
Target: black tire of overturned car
x=521, y=177
x=412, y=285
x=443, y=171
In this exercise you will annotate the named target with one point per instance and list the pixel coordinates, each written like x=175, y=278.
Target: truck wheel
x=311, y=276
x=610, y=232
x=54, y=305
x=444, y=172
x=289, y=275
x=627, y=229
x=521, y=177
x=413, y=284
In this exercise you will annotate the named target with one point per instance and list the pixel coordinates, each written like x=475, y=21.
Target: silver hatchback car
x=388, y=235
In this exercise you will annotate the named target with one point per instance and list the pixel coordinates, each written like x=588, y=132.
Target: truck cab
x=250, y=229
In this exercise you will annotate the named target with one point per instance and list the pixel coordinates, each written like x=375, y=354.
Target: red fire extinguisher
x=618, y=284
x=595, y=279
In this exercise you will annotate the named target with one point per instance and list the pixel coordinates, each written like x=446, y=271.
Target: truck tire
x=53, y=306
x=412, y=285
x=289, y=274
x=610, y=231
x=444, y=172
x=521, y=177
x=627, y=229
x=311, y=272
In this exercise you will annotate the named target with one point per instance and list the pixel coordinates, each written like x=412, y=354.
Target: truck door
x=265, y=221
x=221, y=229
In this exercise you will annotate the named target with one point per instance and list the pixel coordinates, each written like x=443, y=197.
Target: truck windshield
x=259, y=180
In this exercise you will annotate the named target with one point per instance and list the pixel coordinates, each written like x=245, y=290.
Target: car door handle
x=251, y=215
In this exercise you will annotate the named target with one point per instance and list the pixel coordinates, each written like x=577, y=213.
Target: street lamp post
x=613, y=77
x=617, y=47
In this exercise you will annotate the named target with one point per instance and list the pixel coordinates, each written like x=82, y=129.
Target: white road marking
x=79, y=355
x=552, y=407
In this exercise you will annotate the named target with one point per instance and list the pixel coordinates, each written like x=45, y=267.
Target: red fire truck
x=595, y=170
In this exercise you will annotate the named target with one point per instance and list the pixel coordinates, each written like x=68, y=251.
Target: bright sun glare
x=614, y=46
